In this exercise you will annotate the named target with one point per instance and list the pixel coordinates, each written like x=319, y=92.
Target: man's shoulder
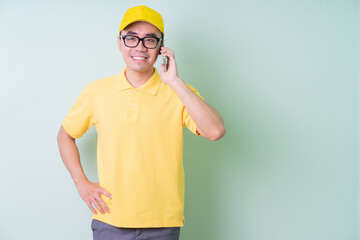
x=103, y=82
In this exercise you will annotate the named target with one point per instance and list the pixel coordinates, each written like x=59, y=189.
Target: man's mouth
x=139, y=58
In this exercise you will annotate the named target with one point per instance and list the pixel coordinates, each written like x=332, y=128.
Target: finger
x=171, y=61
x=96, y=204
x=103, y=204
x=170, y=52
x=106, y=193
x=167, y=52
x=169, y=55
x=91, y=207
x=165, y=48
x=168, y=68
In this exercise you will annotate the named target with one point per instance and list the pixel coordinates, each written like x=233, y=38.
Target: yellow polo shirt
x=139, y=148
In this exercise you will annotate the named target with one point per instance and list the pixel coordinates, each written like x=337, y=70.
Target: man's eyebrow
x=148, y=34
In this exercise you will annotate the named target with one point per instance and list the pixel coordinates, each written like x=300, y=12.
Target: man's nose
x=140, y=46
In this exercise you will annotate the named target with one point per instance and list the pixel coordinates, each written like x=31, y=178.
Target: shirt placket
x=133, y=108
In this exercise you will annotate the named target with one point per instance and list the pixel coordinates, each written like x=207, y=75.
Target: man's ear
x=162, y=44
x=119, y=42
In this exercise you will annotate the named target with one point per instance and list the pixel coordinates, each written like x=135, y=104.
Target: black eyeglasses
x=132, y=41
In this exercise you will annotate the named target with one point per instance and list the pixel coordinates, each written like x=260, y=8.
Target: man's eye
x=150, y=40
x=130, y=38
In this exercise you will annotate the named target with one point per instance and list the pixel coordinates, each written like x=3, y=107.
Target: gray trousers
x=104, y=231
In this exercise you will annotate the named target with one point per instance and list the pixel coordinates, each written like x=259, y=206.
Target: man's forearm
x=206, y=118
x=70, y=156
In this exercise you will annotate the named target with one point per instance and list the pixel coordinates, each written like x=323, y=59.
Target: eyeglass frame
x=141, y=40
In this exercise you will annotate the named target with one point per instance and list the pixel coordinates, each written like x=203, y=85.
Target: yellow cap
x=142, y=13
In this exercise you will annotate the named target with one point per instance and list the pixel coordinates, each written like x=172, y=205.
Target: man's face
x=139, y=58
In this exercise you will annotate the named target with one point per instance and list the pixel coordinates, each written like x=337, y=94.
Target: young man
x=139, y=116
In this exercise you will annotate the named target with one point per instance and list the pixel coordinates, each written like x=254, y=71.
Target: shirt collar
x=151, y=86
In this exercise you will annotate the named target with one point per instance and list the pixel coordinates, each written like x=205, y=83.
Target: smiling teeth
x=138, y=58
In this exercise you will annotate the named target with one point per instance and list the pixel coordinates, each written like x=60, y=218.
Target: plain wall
x=283, y=74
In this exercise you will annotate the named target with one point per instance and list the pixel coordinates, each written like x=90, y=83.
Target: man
x=139, y=116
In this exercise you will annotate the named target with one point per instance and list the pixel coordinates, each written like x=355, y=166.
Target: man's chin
x=140, y=69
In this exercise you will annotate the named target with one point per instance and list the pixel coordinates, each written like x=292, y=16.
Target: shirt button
x=133, y=104
x=134, y=91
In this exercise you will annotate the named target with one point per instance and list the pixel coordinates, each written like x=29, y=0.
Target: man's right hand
x=90, y=192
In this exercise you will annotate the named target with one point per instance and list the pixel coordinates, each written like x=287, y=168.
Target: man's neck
x=137, y=79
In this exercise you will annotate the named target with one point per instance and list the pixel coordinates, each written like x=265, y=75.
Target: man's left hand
x=171, y=74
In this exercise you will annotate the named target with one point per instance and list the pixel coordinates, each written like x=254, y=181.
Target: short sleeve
x=187, y=120
x=80, y=116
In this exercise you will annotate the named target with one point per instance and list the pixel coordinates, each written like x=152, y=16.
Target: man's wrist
x=177, y=82
x=80, y=180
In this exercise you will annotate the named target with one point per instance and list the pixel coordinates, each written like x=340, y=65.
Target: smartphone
x=165, y=61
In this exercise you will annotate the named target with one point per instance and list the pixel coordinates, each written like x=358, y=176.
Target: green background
x=283, y=74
